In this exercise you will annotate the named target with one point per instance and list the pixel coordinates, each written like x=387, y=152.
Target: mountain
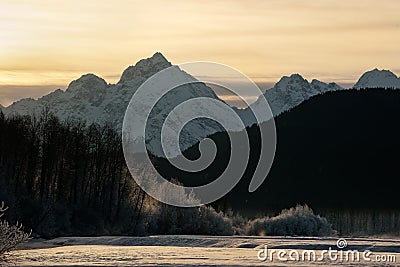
x=378, y=79
x=291, y=91
x=326, y=157
x=91, y=99
x=145, y=68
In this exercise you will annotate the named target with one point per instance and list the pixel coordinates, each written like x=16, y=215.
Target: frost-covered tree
x=298, y=221
x=10, y=235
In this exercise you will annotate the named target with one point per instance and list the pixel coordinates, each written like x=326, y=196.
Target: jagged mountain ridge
x=145, y=68
x=91, y=99
x=291, y=91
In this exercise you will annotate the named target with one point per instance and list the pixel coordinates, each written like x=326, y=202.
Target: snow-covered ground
x=197, y=251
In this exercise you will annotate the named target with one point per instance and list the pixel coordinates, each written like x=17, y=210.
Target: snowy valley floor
x=197, y=251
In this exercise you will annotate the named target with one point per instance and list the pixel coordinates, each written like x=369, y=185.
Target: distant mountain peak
x=293, y=90
x=294, y=77
x=158, y=57
x=383, y=72
x=87, y=81
x=378, y=79
x=145, y=68
x=291, y=82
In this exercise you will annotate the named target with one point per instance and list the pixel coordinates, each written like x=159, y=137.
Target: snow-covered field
x=199, y=251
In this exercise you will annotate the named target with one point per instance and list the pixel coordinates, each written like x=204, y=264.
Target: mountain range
x=91, y=99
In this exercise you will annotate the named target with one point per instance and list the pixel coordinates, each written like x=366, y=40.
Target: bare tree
x=10, y=235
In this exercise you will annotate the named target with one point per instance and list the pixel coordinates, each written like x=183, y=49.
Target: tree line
x=68, y=178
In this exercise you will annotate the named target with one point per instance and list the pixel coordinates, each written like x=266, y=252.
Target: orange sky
x=45, y=44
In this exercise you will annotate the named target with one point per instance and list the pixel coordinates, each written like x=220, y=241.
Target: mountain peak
x=296, y=76
x=290, y=82
x=145, y=68
x=87, y=81
x=293, y=90
x=292, y=77
x=382, y=72
x=158, y=57
x=378, y=78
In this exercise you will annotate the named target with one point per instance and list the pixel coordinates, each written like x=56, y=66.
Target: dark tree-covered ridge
x=338, y=153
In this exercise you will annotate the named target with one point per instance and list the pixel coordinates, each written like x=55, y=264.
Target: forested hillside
x=337, y=152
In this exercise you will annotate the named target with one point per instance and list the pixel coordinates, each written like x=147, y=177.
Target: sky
x=45, y=44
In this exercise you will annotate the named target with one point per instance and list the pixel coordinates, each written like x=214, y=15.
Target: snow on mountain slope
x=293, y=90
x=82, y=100
x=378, y=79
x=91, y=99
x=145, y=68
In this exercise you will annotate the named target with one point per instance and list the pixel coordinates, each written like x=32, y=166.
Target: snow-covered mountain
x=292, y=90
x=91, y=99
x=378, y=79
